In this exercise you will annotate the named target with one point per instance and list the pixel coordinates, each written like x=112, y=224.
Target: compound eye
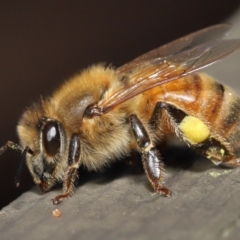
x=51, y=137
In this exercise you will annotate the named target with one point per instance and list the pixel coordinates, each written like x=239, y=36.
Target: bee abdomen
x=213, y=105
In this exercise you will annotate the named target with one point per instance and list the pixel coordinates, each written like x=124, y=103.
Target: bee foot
x=163, y=191
x=58, y=199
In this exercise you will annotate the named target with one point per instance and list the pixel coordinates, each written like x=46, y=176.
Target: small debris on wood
x=56, y=213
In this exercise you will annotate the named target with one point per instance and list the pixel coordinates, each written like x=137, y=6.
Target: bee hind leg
x=234, y=162
x=151, y=158
x=72, y=172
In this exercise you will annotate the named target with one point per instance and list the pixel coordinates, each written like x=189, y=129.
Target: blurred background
x=43, y=43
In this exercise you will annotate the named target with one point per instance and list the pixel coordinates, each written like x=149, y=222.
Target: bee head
x=46, y=139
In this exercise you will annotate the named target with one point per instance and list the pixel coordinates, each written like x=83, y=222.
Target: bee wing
x=189, y=54
x=212, y=33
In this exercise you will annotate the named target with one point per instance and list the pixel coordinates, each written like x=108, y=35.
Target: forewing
x=155, y=69
x=192, y=40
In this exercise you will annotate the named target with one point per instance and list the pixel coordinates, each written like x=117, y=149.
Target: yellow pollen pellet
x=194, y=130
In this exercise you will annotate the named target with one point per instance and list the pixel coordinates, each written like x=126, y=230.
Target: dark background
x=44, y=42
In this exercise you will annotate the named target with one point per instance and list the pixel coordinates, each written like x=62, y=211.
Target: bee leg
x=234, y=162
x=72, y=172
x=152, y=162
x=11, y=145
x=68, y=185
x=175, y=115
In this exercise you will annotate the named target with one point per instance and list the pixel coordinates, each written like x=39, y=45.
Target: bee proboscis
x=103, y=114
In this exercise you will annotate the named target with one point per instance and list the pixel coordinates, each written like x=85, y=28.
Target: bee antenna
x=20, y=166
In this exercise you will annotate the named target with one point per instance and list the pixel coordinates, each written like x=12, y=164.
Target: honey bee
x=103, y=114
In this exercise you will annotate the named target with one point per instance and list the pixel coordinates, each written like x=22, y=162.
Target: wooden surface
x=120, y=203
x=205, y=205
